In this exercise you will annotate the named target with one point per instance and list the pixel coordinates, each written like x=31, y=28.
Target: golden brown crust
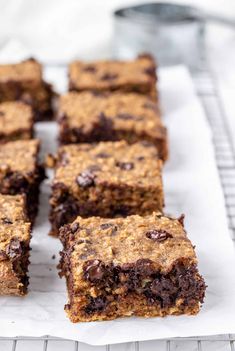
x=107, y=179
x=137, y=75
x=28, y=71
x=19, y=156
x=125, y=240
x=16, y=121
x=87, y=117
x=146, y=169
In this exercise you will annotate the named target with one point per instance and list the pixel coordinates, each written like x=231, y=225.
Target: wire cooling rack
x=206, y=88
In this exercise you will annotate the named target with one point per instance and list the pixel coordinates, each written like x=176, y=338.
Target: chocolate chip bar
x=107, y=179
x=137, y=76
x=142, y=266
x=23, y=81
x=20, y=172
x=85, y=117
x=16, y=121
x=15, y=237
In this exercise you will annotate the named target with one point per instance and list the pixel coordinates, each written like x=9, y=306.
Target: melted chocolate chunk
x=144, y=266
x=2, y=113
x=102, y=155
x=86, y=179
x=127, y=166
x=109, y=76
x=15, y=181
x=14, y=249
x=90, y=68
x=158, y=235
x=94, y=270
x=6, y=220
x=106, y=226
x=96, y=304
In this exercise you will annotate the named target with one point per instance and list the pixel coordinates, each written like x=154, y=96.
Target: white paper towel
x=192, y=187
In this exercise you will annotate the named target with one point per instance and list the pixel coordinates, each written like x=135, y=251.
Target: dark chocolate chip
x=96, y=304
x=6, y=220
x=140, y=158
x=159, y=215
x=17, y=182
x=106, y=226
x=14, y=249
x=83, y=241
x=150, y=71
x=102, y=155
x=109, y=76
x=127, y=166
x=125, y=116
x=181, y=219
x=94, y=270
x=158, y=235
x=86, y=179
x=53, y=257
x=74, y=227
x=89, y=68
x=3, y=255
x=2, y=113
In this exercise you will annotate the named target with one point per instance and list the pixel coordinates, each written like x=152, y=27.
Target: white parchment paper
x=192, y=187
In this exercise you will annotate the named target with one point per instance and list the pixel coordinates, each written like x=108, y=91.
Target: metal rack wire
x=225, y=156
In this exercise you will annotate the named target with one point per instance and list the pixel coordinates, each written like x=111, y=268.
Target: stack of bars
x=24, y=99
x=121, y=255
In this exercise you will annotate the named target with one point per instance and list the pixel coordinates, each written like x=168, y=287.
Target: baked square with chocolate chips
x=20, y=172
x=142, y=266
x=23, y=81
x=137, y=76
x=15, y=234
x=85, y=118
x=106, y=179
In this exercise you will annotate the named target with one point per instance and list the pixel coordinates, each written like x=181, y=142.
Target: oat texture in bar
x=23, y=81
x=142, y=266
x=106, y=179
x=16, y=121
x=137, y=76
x=20, y=171
x=15, y=234
x=87, y=117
